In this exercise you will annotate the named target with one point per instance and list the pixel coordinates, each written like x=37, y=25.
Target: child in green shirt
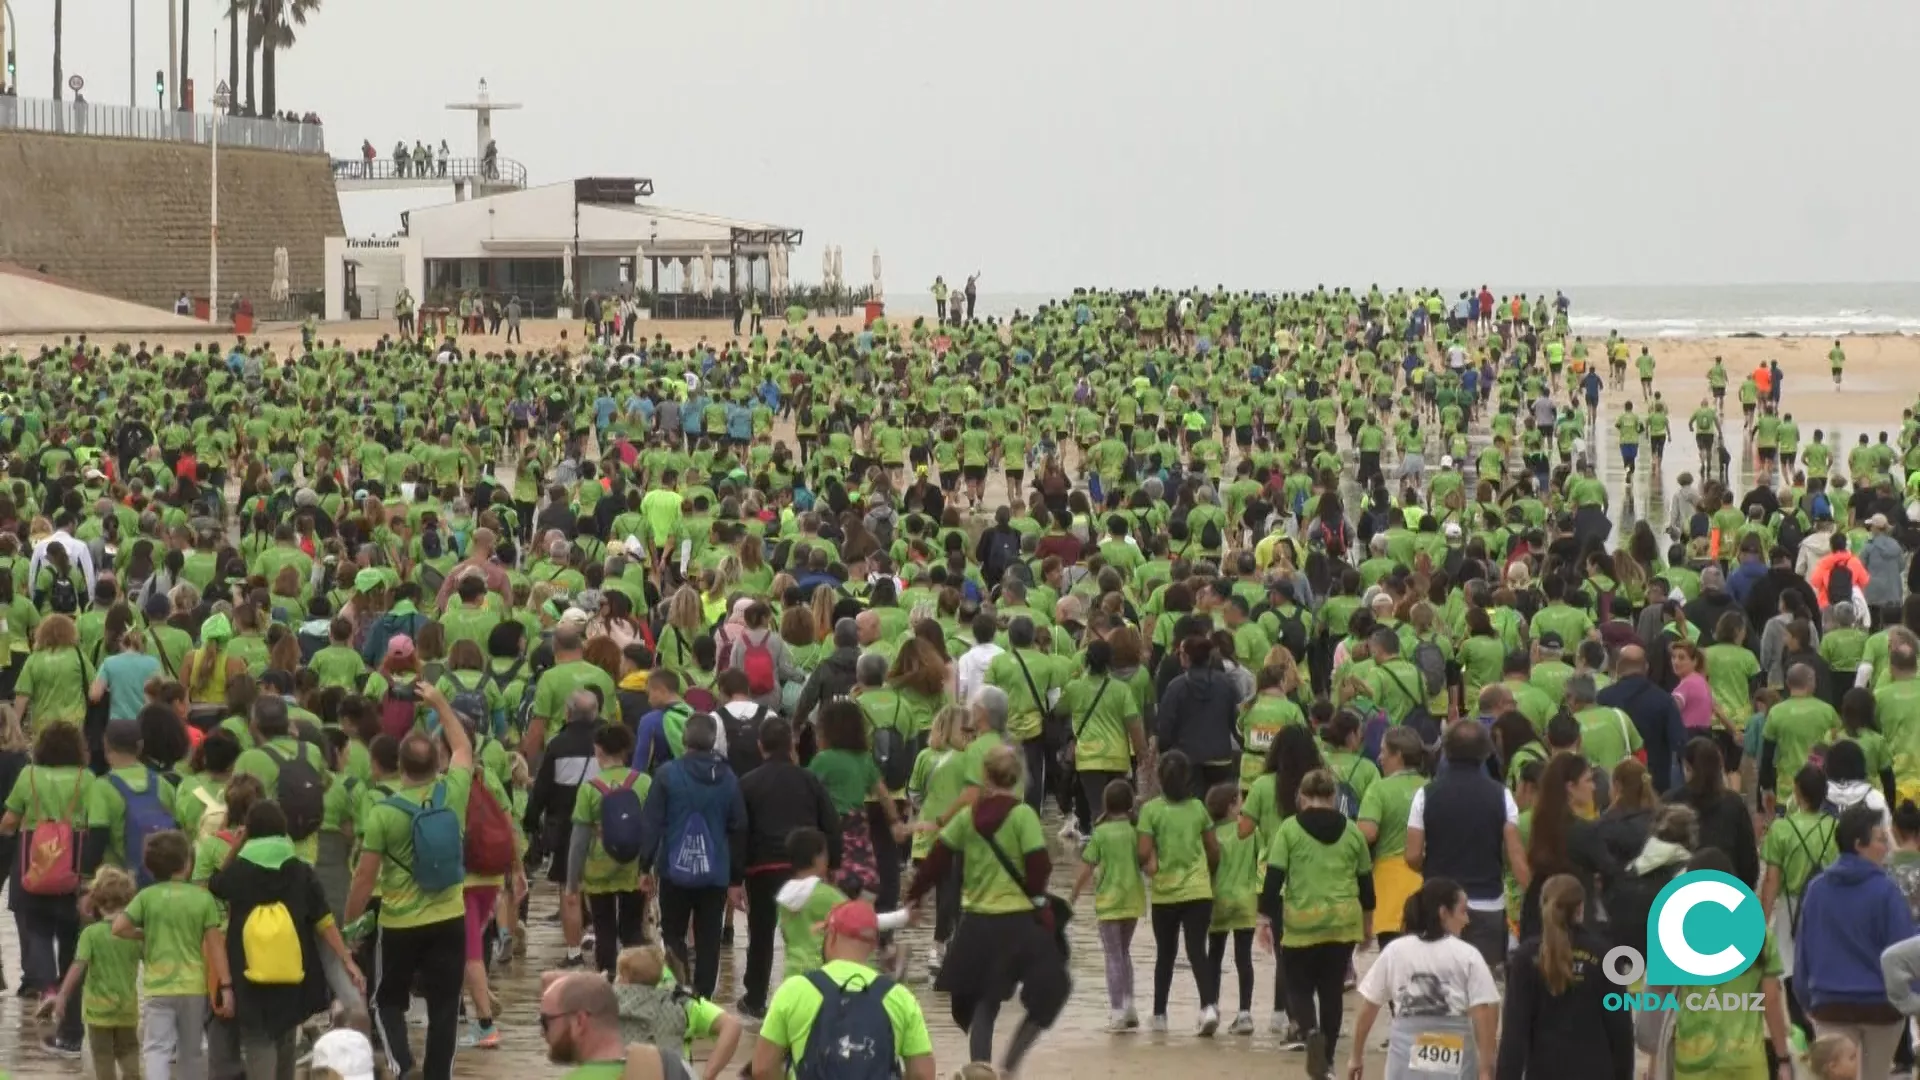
x=1119, y=896
x=182, y=952
x=110, y=966
x=1236, y=898
x=806, y=900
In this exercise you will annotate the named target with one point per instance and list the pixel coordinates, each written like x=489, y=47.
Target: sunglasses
x=549, y=1019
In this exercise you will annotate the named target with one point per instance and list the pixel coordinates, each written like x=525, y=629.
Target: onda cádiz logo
x=1705, y=928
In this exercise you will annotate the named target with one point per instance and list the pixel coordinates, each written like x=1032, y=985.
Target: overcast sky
x=1050, y=143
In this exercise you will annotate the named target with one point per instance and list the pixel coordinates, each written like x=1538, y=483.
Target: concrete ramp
x=32, y=303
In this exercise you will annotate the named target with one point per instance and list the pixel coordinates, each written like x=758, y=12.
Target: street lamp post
x=222, y=95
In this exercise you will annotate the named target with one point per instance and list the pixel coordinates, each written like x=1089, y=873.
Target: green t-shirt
x=107, y=810
x=985, y=886
x=1237, y=880
x=1794, y=727
x=1725, y=1044
x=388, y=832
x=800, y=928
x=48, y=793
x=1102, y=709
x=559, y=682
x=1176, y=828
x=1322, y=888
x=1798, y=845
x=1260, y=724
x=1119, y=891
x=112, y=995
x=604, y=874
x=1607, y=736
x=848, y=775
x=939, y=779
x=338, y=665
x=174, y=918
x=796, y=1004
x=1730, y=671
x=1388, y=803
x=57, y=684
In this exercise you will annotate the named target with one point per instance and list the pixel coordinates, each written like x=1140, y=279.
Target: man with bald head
x=580, y=1019
x=1662, y=732
x=569, y=674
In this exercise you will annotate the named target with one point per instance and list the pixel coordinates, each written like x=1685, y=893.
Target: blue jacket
x=700, y=783
x=1850, y=913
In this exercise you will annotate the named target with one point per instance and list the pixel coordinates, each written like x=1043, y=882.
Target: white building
x=595, y=235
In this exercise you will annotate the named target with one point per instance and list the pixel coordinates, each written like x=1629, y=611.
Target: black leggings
x=1242, y=964
x=1170, y=922
x=1093, y=796
x=1316, y=979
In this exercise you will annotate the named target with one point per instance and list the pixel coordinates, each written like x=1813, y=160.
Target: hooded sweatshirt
x=1198, y=715
x=1846, y=794
x=1852, y=912
x=697, y=784
x=805, y=903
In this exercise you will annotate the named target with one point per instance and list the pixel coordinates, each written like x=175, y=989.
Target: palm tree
x=279, y=17
x=59, y=30
x=233, y=43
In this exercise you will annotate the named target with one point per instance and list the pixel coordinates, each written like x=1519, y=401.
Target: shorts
x=1769, y=453
x=1719, y=393
x=949, y=480
x=1747, y=408
x=480, y=900
x=918, y=454
x=1243, y=435
x=1629, y=452
x=1659, y=445
x=974, y=473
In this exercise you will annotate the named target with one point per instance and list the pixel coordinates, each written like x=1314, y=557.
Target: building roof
x=541, y=219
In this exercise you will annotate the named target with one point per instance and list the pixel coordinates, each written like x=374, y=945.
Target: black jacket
x=780, y=798
x=1726, y=824
x=1588, y=859
x=245, y=885
x=563, y=768
x=833, y=678
x=1704, y=612
x=1656, y=717
x=1763, y=602
x=1199, y=716
x=1569, y=1036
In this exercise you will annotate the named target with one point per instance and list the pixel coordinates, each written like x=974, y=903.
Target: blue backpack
x=439, y=854
x=146, y=815
x=852, y=1034
x=621, y=834
x=694, y=858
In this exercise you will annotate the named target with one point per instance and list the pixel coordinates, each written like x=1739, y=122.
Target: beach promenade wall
x=129, y=217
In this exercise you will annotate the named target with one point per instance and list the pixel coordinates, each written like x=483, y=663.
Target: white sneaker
x=1117, y=1022
x=1277, y=1024
x=1242, y=1024
x=1209, y=1021
x=1132, y=1018
x=1070, y=833
x=1158, y=1024
x=936, y=957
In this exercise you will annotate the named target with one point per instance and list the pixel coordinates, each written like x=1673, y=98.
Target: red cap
x=855, y=918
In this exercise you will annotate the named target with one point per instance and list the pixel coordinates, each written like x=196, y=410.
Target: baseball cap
x=95, y=474
x=400, y=646
x=1446, y=461
x=1551, y=640
x=368, y=580
x=855, y=919
x=345, y=1052
x=1451, y=530
x=1877, y=521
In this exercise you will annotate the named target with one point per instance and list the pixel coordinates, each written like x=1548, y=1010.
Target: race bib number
x=1436, y=1053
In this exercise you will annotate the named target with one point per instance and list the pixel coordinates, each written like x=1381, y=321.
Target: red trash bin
x=876, y=310
x=243, y=323
x=202, y=309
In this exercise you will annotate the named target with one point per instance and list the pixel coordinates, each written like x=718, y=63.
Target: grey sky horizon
x=1056, y=143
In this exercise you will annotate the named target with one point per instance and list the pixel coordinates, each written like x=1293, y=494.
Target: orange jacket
x=1823, y=570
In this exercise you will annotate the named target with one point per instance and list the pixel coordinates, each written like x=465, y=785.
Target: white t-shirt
x=1430, y=978
x=1417, y=819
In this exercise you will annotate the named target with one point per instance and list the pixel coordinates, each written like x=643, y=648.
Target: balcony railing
x=502, y=171
x=122, y=122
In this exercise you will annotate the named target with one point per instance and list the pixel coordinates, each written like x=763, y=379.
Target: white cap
x=1446, y=461
x=345, y=1052
x=94, y=474
x=1451, y=530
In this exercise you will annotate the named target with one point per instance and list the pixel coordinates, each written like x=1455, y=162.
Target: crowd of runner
x=814, y=633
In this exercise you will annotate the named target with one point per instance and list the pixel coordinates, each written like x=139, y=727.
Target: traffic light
x=160, y=83
x=9, y=65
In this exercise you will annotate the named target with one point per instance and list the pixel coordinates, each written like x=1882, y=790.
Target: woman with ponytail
x=1445, y=1004
x=1556, y=1022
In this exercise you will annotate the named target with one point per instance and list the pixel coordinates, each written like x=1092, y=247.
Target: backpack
x=470, y=702
x=501, y=680
x=1431, y=663
x=1840, y=585
x=655, y=1015
x=271, y=946
x=1293, y=629
x=63, y=598
x=213, y=815
x=438, y=852
x=621, y=828
x=50, y=859
x=300, y=791
x=429, y=578
x=146, y=815
x=1345, y=798
x=695, y=858
x=894, y=752
x=852, y=1035
x=756, y=660
x=1210, y=538
x=397, y=709
x=743, y=737
x=490, y=844
x=1003, y=550
x=1814, y=866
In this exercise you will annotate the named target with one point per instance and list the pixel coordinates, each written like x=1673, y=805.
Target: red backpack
x=490, y=841
x=50, y=860
x=397, y=711
x=756, y=660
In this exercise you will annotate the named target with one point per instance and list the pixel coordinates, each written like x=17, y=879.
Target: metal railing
x=503, y=171
x=122, y=122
